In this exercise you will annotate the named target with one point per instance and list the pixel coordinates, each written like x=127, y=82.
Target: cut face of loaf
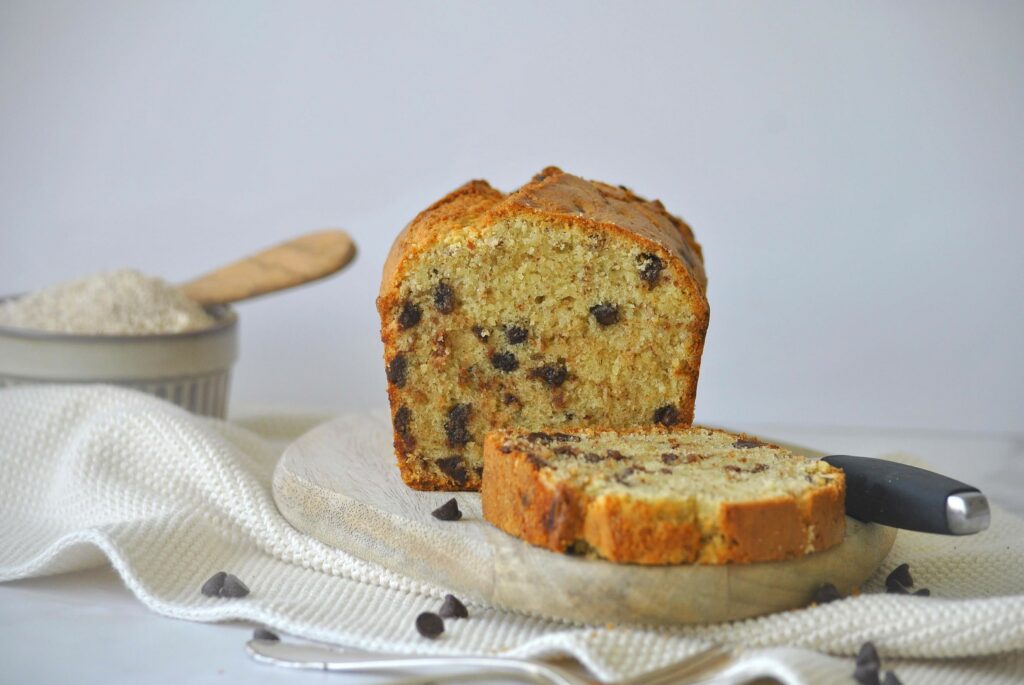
x=567, y=303
x=654, y=497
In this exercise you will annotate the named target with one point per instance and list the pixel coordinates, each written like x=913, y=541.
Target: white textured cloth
x=96, y=473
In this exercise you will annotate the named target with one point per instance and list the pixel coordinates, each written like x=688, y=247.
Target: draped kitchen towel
x=93, y=474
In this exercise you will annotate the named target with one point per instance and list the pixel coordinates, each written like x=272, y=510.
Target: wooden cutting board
x=339, y=483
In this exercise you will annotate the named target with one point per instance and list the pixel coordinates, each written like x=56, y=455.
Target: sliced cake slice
x=567, y=303
x=652, y=496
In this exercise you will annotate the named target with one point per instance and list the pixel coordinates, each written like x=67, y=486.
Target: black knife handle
x=910, y=498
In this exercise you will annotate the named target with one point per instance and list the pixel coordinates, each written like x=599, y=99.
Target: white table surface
x=87, y=628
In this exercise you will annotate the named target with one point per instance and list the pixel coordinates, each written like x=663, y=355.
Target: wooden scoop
x=304, y=259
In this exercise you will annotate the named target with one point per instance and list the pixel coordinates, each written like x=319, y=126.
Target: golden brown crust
x=521, y=500
x=556, y=195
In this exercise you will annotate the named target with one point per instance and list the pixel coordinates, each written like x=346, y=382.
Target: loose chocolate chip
x=264, y=634
x=444, y=298
x=410, y=315
x=537, y=436
x=452, y=608
x=744, y=444
x=901, y=575
x=504, y=361
x=825, y=594
x=923, y=592
x=455, y=425
x=650, y=266
x=893, y=587
x=396, y=371
x=213, y=586
x=670, y=458
x=552, y=374
x=454, y=467
x=403, y=417
x=666, y=415
x=516, y=335
x=593, y=457
x=233, y=587
x=616, y=455
x=509, y=398
x=868, y=656
x=429, y=624
x=449, y=511
x=866, y=675
x=891, y=679
x=480, y=333
x=605, y=313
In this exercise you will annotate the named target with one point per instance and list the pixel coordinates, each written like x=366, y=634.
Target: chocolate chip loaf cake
x=661, y=497
x=566, y=303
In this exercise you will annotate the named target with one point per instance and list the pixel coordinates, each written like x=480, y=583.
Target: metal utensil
x=412, y=670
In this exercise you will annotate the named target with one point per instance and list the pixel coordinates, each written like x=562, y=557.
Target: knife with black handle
x=906, y=497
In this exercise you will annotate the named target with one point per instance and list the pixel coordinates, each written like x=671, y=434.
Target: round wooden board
x=339, y=483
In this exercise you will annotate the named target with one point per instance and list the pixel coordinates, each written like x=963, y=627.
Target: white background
x=855, y=172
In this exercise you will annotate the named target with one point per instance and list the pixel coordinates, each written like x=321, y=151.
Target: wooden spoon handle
x=295, y=262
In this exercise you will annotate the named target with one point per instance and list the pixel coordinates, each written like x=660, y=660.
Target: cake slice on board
x=653, y=496
x=567, y=303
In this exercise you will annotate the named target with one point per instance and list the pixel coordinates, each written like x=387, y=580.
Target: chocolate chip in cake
x=509, y=398
x=593, y=457
x=623, y=475
x=481, y=334
x=444, y=298
x=213, y=585
x=454, y=467
x=449, y=511
x=650, y=267
x=537, y=461
x=901, y=575
x=455, y=426
x=453, y=608
x=429, y=624
x=396, y=371
x=403, y=417
x=565, y=437
x=746, y=444
x=553, y=374
x=605, y=313
x=538, y=436
x=616, y=455
x=666, y=415
x=565, y=449
x=233, y=587
x=826, y=593
x=410, y=315
x=666, y=470
x=516, y=335
x=504, y=361
x=264, y=634
x=670, y=458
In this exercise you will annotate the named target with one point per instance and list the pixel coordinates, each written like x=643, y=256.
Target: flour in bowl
x=122, y=302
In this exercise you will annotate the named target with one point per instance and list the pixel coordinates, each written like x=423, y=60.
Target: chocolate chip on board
x=825, y=594
x=213, y=585
x=923, y=592
x=891, y=679
x=449, y=511
x=429, y=624
x=233, y=587
x=868, y=655
x=264, y=634
x=453, y=608
x=895, y=587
